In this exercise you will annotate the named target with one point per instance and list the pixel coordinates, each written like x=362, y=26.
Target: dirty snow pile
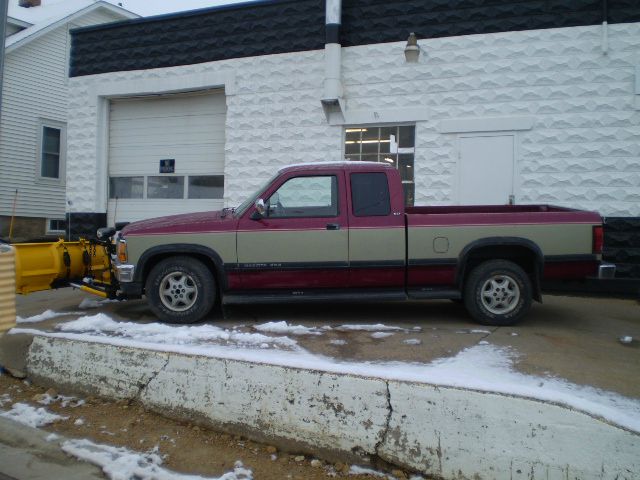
x=119, y=463
x=483, y=367
x=46, y=315
x=31, y=416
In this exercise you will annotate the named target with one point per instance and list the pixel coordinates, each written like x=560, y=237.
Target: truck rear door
x=377, y=249
x=302, y=240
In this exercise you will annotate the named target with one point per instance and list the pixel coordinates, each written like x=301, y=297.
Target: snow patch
x=79, y=422
x=284, y=327
x=4, y=398
x=474, y=330
x=378, y=327
x=356, y=470
x=119, y=463
x=52, y=437
x=88, y=303
x=381, y=334
x=46, y=315
x=337, y=341
x=31, y=416
x=412, y=341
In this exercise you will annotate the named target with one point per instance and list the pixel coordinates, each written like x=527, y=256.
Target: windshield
x=252, y=198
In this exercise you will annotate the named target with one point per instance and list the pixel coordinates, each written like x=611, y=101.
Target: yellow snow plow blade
x=41, y=266
x=7, y=295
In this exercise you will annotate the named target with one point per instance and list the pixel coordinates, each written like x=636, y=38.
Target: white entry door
x=486, y=170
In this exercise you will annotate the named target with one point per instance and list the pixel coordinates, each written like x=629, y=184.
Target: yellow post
x=7, y=288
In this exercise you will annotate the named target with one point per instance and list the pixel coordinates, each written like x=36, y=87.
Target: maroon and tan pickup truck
x=340, y=231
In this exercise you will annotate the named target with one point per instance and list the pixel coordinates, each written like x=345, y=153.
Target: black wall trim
x=85, y=224
x=622, y=245
x=257, y=28
x=283, y=26
x=332, y=33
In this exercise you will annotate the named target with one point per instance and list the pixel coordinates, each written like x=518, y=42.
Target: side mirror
x=105, y=233
x=260, y=210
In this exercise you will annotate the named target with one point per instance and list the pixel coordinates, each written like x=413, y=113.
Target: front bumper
x=125, y=273
x=606, y=270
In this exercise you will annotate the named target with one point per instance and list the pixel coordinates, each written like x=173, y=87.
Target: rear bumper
x=131, y=290
x=606, y=270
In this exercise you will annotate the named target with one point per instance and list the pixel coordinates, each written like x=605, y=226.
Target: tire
x=180, y=290
x=498, y=292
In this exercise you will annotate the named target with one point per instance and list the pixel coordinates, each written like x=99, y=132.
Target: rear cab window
x=370, y=194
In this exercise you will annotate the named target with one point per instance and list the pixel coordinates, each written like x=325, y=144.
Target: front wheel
x=498, y=292
x=180, y=290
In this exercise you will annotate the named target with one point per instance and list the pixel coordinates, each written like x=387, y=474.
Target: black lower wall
x=622, y=245
x=85, y=224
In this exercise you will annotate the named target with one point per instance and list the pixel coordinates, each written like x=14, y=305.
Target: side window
x=305, y=197
x=51, y=151
x=370, y=194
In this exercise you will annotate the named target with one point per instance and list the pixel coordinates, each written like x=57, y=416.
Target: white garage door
x=166, y=155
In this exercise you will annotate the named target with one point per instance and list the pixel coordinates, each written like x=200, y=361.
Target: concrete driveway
x=572, y=338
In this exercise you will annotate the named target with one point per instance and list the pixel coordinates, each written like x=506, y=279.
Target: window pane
x=56, y=225
x=388, y=139
x=405, y=165
x=51, y=140
x=305, y=197
x=206, y=186
x=165, y=187
x=409, y=194
x=352, y=141
x=407, y=137
x=126, y=187
x=370, y=194
x=50, y=167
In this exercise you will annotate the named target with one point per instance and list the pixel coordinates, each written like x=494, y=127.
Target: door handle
x=333, y=226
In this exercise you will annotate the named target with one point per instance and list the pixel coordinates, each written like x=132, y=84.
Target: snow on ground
x=284, y=327
x=31, y=416
x=474, y=330
x=483, y=367
x=89, y=302
x=121, y=463
x=412, y=341
x=46, y=315
x=4, y=398
x=46, y=399
x=378, y=327
x=381, y=334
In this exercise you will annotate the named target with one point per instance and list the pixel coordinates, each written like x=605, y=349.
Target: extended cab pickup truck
x=340, y=231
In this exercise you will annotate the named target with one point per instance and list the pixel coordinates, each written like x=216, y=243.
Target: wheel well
x=207, y=261
x=521, y=255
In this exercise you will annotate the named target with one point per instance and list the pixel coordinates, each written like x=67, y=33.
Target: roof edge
x=182, y=14
x=10, y=47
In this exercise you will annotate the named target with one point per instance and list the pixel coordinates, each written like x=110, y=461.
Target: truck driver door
x=301, y=241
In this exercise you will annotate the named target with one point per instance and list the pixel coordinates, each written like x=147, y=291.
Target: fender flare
x=502, y=242
x=182, y=249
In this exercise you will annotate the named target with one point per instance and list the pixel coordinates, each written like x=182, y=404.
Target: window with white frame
x=56, y=225
x=156, y=187
x=393, y=144
x=51, y=150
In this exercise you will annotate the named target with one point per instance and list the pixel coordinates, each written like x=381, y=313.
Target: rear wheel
x=180, y=290
x=498, y=292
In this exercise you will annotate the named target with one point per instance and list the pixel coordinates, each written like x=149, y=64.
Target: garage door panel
x=187, y=128
x=167, y=107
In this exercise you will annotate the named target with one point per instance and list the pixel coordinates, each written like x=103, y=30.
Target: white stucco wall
x=582, y=150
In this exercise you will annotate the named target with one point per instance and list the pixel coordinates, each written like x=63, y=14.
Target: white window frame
x=50, y=231
x=62, y=171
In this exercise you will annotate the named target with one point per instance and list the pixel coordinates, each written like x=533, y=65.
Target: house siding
x=35, y=88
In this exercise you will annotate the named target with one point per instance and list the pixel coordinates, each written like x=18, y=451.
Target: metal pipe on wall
x=333, y=92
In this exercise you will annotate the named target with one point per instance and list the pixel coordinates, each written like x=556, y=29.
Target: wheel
x=498, y=292
x=180, y=290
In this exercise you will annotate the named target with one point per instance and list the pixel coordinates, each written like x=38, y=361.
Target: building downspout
x=332, y=98
x=605, y=28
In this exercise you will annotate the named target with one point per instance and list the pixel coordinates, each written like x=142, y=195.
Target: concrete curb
x=445, y=432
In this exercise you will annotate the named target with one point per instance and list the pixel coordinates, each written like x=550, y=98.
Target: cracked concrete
x=438, y=431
